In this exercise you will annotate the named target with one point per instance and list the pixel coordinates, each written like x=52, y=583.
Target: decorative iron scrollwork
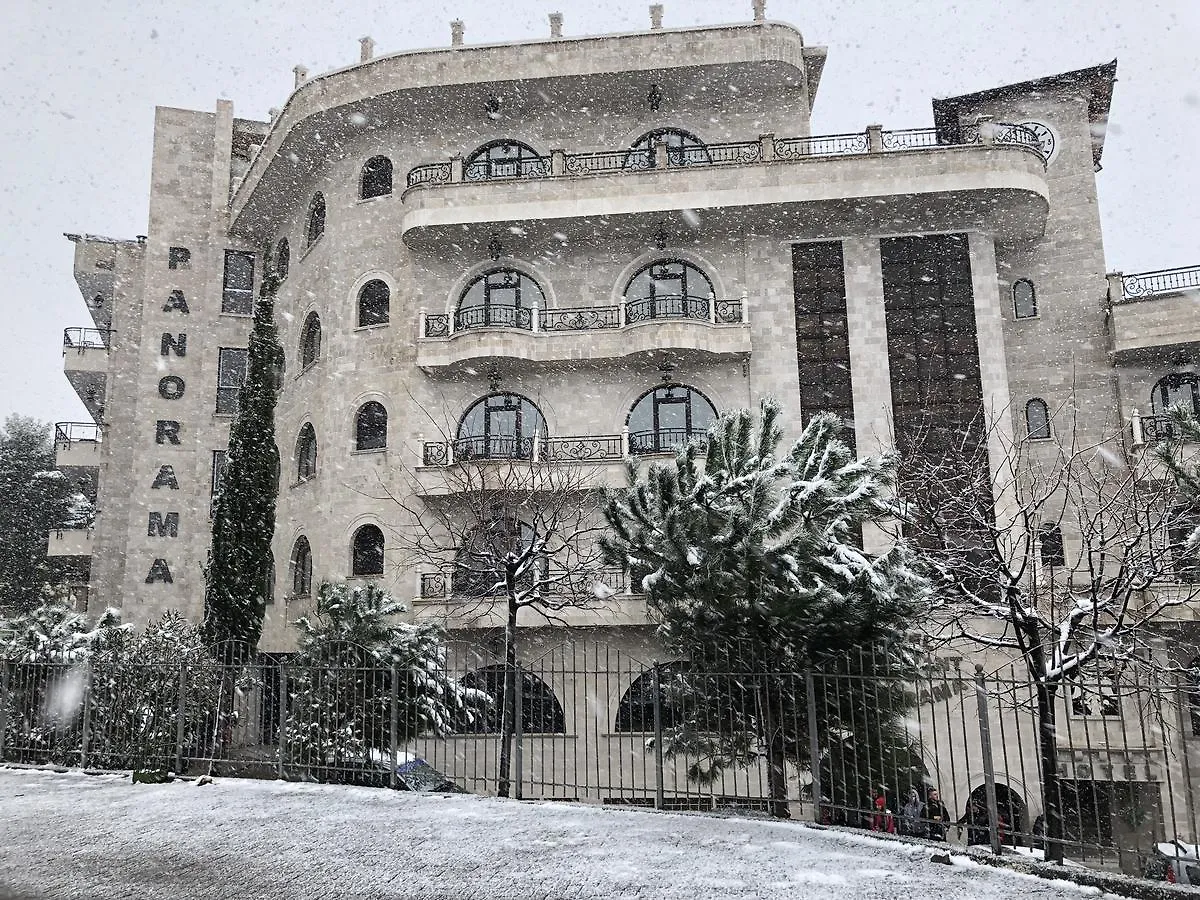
x=588, y=318
x=437, y=325
x=728, y=312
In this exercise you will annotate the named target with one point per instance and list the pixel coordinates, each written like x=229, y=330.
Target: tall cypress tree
x=237, y=577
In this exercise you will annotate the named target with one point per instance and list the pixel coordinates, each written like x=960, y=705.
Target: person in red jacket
x=883, y=820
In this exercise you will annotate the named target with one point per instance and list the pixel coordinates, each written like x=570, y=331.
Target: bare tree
x=505, y=525
x=1067, y=552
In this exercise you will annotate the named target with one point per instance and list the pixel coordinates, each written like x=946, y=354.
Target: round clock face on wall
x=1044, y=135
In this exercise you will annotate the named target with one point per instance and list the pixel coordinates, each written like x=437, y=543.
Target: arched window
x=306, y=453
x=376, y=180
x=636, y=709
x=1176, y=389
x=368, y=551
x=315, y=225
x=270, y=587
x=301, y=568
x=499, y=426
x=667, y=418
x=668, y=289
x=373, y=302
x=370, y=427
x=541, y=713
x=505, y=159
x=283, y=259
x=479, y=562
x=310, y=341
x=1051, y=539
x=1037, y=420
x=501, y=298
x=683, y=149
x=1024, y=299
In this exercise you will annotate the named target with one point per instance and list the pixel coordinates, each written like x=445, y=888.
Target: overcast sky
x=79, y=81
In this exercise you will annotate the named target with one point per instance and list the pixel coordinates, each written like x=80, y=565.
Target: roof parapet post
x=1116, y=287
x=874, y=138
x=301, y=75
x=656, y=14
x=366, y=49
x=556, y=24
x=760, y=10
x=456, y=33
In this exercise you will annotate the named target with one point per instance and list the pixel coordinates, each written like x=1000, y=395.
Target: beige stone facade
x=1012, y=170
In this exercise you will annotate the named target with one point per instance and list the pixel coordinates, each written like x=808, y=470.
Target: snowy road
x=101, y=838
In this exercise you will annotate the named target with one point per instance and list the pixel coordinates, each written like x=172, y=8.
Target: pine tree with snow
x=238, y=574
x=341, y=683
x=750, y=560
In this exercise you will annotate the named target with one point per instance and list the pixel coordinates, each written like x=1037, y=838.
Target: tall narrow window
x=306, y=453
x=1024, y=299
x=371, y=427
x=501, y=298
x=231, y=375
x=302, y=568
x=269, y=591
x=310, y=341
x=376, y=178
x=283, y=259
x=237, y=292
x=315, y=225
x=1050, y=538
x=1037, y=420
x=822, y=333
x=373, y=301
x=668, y=289
x=368, y=551
x=218, y=472
x=499, y=426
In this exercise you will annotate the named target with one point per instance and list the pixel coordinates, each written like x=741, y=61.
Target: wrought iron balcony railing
x=765, y=149
x=87, y=338
x=441, y=585
x=1162, y=281
x=1153, y=429
x=67, y=433
x=591, y=448
x=587, y=318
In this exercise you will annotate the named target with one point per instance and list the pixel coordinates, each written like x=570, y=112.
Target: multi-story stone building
x=592, y=245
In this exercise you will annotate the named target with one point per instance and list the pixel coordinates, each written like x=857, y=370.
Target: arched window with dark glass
x=668, y=289
x=283, y=259
x=314, y=226
x=370, y=427
x=302, y=567
x=500, y=298
x=479, y=562
x=667, y=418
x=499, y=426
x=310, y=341
x=683, y=149
x=1037, y=420
x=636, y=709
x=1024, y=299
x=505, y=159
x=1050, y=538
x=306, y=452
x=367, y=551
x=373, y=303
x=541, y=713
x=376, y=180
x=1182, y=522
x=1177, y=389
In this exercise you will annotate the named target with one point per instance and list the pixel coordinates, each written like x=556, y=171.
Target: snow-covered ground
x=102, y=837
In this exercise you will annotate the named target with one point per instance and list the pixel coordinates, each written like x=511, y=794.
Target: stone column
x=870, y=374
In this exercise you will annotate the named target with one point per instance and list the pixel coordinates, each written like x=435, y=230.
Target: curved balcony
x=594, y=448
x=1155, y=314
x=77, y=445
x=641, y=326
x=991, y=176
x=85, y=362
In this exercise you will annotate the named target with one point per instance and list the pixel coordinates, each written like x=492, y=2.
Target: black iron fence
x=931, y=750
x=1163, y=281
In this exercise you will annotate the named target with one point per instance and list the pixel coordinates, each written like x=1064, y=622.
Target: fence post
x=518, y=752
x=180, y=718
x=656, y=682
x=87, y=713
x=283, y=700
x=814, y=745
x=394, y=725
x=989, y=772
x=4, y=676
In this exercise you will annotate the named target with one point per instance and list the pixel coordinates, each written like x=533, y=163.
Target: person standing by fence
x=910, y=814
x=936, y=816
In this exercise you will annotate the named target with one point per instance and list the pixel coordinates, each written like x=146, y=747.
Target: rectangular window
x=231, y=373
x=822, y=333
x=218, y=472
x=237, y=293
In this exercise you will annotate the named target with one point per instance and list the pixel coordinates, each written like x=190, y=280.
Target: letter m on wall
x=163, y=526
